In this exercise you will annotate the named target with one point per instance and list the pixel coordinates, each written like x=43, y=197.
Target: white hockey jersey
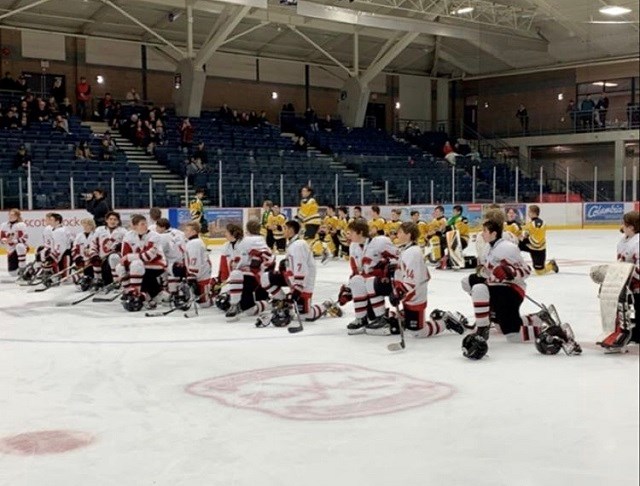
x=367, y=258
x=412, y=276
x=227, y=260
x=301, y=266
x=253, y=247
x=105, y=240
x=147, y=247
x=173, y=244
x=14, y=233
x=60, y=242
x=501, y=251
x=196, y=259
x=82, y=246
x=47, y=237
x=628, y=252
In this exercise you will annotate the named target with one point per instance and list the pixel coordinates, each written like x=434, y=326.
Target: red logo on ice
x=321, y=391
x=45, y=442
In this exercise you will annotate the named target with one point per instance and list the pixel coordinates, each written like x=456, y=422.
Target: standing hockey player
x=343, y=240
x=275, y=229
x=196, y=208
x=423, y=228
x=512, y=225
x=252, y=258
x=620, y=289
x=105, y=250
x=298, y=272
x=410, y=289
x=154, y=215
x=13, y=237
x=141, y=265
x=377, y=223
x=197, y=264
x=498, y=291
x=534, y=241
x=435, y=236
x=308, y=214
x=265, y=232
x=372, y=262
x=173, y=242
x=59, y=258
x=81, y=254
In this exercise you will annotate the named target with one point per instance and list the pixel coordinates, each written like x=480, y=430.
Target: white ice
x=515, y=418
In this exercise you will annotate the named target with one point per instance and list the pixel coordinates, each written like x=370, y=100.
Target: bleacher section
x=53, y=164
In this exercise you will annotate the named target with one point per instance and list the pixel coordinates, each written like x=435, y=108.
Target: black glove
x=79, y=262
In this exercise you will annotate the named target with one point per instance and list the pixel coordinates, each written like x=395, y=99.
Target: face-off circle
x=45, y=442
x=327, y=391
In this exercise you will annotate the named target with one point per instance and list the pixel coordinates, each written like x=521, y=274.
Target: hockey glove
x=344, y=295
x=79, y=262
x=398, y=294
x=282, y=266
x=504, y=271
x=117, y=248
x=256, y=259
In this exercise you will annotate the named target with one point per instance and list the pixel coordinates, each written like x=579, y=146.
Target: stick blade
x=294, y=330
x=396, y=347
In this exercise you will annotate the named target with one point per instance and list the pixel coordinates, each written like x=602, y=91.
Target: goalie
x=620, y=289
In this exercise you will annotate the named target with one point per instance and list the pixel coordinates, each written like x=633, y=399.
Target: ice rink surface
x=93, y=395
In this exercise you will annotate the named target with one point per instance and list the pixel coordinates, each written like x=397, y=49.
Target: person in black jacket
x=97, y=205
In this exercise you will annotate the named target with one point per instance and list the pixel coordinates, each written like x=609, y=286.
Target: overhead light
x=605, y=84
x=274, y=95
x=397, y=105
x=614, y=10
x=560, y=96
x=462, y=10
x=99, y=79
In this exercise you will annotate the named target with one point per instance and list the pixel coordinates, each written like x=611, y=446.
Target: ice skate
x=378, y=327
x=233, y=313
x=357, y=326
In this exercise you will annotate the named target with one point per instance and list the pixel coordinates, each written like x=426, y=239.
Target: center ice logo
x=321, y=391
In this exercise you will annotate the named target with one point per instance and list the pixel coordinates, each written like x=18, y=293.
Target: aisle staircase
x=147, y=163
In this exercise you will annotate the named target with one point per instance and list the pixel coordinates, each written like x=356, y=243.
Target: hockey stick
x=105, y=290
x=195, y=310
x=56, y=284
x=299, y=327
x=402, y=344
x=162, y=313
x=98, y=298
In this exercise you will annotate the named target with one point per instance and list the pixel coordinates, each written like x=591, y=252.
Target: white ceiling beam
x=166, y=54
x=367, y=19
x=376, y=68
x=323, y=51
x=385, y=47
x=140, y=24
x=22, y=9
x=456, y=62
x=436, y=56
x=572, y=27
x=216, y=41
x=245, y=32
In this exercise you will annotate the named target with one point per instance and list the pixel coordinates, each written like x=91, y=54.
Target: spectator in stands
x=225, y=113
x=107, y=146
x=587, y=108
x=200, y=155
x=105, y=107
x=141, y=133
x=263, y=120
x=115, y=119
x=21, y=84
x=24, y=122
x=60, y=124
x=449, y=153
x=133, y=96
x=83, y=97
x=57, y=90
x=41, y=113
x=52, y=104
x=24, y=107
x=311, y=119
x=22, y=158
x=300, y=144
x=326, y=124
x=602, y=106
x=8, y=82
x=186, y=135
x=523, y=116
x=572, y=112
x=12, y=119
x=97, y=205
x=157, y=138
x=83, y=152
x=66, y=108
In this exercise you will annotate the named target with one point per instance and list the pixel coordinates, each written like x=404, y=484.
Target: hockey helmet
x=550, y=340
x=133, y=303
x=223, y=302
x=474, y=346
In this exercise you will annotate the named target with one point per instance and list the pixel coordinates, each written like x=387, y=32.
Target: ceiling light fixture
x=614, y=10
x=605, y=83
x=462, y=10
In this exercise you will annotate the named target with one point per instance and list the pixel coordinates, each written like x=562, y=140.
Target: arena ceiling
x=435, y=37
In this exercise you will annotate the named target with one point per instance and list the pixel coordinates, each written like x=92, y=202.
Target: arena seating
x=53, y=164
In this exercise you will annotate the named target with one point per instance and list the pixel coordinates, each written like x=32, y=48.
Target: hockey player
x=81, y=254
x=154, y=215
x=196, y=208
x=625, y=328
x=357, y=214
x=423, y=228
x=252, y=258
x=343, y=222
x=275, y=228
x=391, y=228
x=265, y=231
x=197, y=264
x=498, y=290
x=410, y=289
x=333, y=224
x=233, y=234
x=459, y=222
x=298, y=272
x=435, y=236
x=59, y=258
x=377, y=223
x=173, y=243
x=141, y=265
x=105, y=250
x=308, y=214
x=534, y=241
x=13, y=237
x=512, y=225
x=372, y=262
